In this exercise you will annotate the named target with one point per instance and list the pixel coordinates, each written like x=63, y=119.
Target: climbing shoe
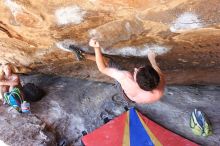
x=77, y=51
x=200, y=124
x=69, y=46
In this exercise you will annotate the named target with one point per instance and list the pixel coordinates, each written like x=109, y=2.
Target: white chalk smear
x=186, y=21
x=13, y=6
x=57, y=113
x=128, y=27
x=139, y=51
x=93, y=33
x=71, y=14
x=64, y=45
x=182, y=60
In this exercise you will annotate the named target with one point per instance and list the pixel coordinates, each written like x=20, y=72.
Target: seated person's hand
x=93, y=43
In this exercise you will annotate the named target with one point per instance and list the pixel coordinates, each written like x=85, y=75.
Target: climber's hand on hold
x=93, y=43
x=151, y=55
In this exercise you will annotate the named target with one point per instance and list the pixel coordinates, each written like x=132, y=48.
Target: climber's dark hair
x=147, y=78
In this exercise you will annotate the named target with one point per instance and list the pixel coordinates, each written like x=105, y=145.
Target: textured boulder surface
x=184, y=33
x=23, y=130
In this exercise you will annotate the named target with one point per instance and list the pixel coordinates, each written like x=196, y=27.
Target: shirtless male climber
x=8, y=80
x=145, y=85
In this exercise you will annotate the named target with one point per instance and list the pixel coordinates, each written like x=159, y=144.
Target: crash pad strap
x=126, y=138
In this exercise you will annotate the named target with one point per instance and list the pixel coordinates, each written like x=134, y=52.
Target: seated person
x=8, y=80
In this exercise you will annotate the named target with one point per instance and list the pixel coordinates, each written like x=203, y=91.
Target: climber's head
x=146, y=77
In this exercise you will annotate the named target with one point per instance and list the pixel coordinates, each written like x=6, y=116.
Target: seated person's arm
x=15, y=81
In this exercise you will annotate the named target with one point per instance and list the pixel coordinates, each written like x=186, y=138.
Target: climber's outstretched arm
x=103, y=68
x=152, y=59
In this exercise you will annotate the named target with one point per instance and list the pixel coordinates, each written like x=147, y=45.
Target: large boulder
x=184, y=33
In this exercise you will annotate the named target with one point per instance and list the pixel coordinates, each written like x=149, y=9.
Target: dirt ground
x=74, y=105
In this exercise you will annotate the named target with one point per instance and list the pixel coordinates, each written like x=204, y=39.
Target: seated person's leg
x=1, y=94
x=3, y=89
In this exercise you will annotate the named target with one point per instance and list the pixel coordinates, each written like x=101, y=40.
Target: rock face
x=19, y=130
x=184, y=33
